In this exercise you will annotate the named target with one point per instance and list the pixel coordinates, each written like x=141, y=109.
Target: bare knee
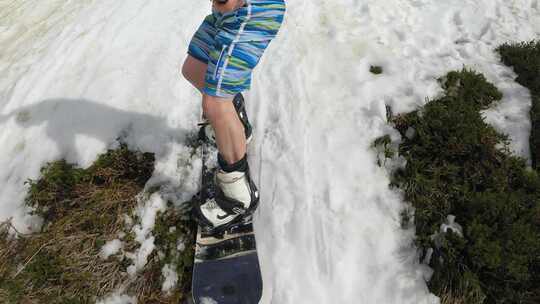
x=211, y=108
x=216, y=108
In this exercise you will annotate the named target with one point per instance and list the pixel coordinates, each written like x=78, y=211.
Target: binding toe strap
x=229, y=205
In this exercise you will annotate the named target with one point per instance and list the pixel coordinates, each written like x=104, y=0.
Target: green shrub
x=459, y=165
x=525, y=59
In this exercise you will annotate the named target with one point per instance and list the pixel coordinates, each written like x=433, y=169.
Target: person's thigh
x=200, y=47
x=194, y=70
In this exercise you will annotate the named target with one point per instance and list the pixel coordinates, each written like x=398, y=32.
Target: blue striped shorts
x=232, y=44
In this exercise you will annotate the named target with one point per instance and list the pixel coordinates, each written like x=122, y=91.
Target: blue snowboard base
x=234, y=280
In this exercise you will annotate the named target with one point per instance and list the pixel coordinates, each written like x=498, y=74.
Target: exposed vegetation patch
x=376, y=69
x=175, y=238
x=83, y=209
x=525, y=59
x=456, y=164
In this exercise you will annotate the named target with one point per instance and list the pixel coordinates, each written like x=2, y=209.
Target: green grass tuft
x=173, y=230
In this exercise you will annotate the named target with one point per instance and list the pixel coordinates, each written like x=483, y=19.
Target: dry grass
x=82, y=210
x=447, y=297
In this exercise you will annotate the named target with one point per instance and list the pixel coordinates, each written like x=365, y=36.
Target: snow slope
x=75, y=75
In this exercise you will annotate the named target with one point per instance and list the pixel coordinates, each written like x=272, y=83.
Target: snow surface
x=75, y=75
x=146, y=212
x=208, y=301
x=110, y=248
x=171, y=278
x=451, y=224
x=118, y=298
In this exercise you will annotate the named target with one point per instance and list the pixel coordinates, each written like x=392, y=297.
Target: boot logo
x=222, y=217
x=238, y=210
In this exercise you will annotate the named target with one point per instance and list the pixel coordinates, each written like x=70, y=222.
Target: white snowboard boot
x=235, y=198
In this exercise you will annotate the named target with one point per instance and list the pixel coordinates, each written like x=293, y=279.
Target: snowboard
x=226, y=266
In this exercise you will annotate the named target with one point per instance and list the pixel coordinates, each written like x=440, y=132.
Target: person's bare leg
x=194, y=71
x=230, y=135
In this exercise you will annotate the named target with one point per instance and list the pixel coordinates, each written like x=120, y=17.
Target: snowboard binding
x=216, y=213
